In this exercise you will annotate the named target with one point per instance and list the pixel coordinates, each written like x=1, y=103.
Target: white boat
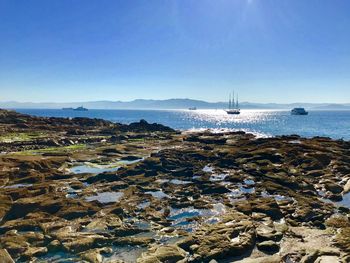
x=299, y=111
x=233, y=107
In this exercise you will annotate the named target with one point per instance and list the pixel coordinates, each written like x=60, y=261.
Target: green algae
x=21, y=136
x=61, y=149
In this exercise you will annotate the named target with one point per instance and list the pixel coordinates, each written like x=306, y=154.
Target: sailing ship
x=233, y=106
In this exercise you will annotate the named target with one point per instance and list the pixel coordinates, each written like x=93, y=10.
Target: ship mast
x=229, y=102
x=237, y=106
x=233, y=99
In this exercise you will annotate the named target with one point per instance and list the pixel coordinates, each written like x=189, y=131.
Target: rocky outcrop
x=91, y=190
x=144, y=126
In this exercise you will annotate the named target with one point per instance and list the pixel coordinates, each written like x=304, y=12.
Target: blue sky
x=267, y=50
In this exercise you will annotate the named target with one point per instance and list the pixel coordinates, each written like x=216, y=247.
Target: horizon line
x=199, y=100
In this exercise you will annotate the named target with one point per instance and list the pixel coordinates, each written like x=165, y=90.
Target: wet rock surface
x=88, y=190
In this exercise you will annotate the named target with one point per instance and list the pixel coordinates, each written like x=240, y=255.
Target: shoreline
x=93, y=190
x=263, y=123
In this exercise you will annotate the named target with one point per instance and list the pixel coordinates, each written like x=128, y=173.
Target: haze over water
x=334, y=124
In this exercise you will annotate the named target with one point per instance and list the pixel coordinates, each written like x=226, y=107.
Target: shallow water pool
x=93, y=169
x=105, y=197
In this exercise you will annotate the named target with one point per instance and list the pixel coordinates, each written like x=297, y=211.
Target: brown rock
x=5, y=256
x=166, y=253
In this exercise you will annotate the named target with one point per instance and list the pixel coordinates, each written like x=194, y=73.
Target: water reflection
x=220, y=117
x=105, y=197
x=220, y=121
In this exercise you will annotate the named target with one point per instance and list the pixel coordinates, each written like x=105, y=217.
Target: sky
x=86, y=50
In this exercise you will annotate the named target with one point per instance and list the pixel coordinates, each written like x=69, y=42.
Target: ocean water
x=334, y=124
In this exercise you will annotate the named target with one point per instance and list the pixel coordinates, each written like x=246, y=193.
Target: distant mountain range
x=169, y=104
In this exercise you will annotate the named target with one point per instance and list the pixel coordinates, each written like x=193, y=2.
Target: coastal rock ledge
x=90, y=190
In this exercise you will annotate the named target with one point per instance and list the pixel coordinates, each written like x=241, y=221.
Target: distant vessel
x=67, y=108
x=81, y=108
x=299, y=111
x=233, y=107
x=192, y=108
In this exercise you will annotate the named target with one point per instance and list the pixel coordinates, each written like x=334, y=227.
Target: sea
x=262, y=123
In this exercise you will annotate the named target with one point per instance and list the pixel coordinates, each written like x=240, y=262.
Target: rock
x=5, y=204
x=144, y=126
x=233, y=236
x=214, y=189
x=134, y=241
x=269, y=247
x=347, y=187
x=345, y=259
x=206, y=139
x=265, y=233
x=5, y=256
x=267, y=206
x=103, y=177
x=23, y=206
x=324, y=159
x=19, y=224
x=32, y=252
x=104, y=223
x=327, y=259
x=94, y=255
x=334, y=188
x=334, y=197
x=52, y=143
x=265, y=154
x=13, y=243
x=79, y=242
x=77, y=210
x=315, y=173
x=75, y=132
x=338, y=221
x=305, y=214
x=130, y=158
x=54, y=246
x=165, y=253
x=342, y=239
x=321, y=255
x=183, y=172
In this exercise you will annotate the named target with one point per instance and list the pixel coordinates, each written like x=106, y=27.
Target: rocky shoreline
x=89, y=190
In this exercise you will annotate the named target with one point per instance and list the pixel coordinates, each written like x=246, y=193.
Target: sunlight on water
x=220, y=117
x=220, y=121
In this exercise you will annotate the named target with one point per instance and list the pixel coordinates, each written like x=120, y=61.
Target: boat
x=67, y=108
x=299, y=111
x=81, y=108
x=192, y=108
x=233, y=107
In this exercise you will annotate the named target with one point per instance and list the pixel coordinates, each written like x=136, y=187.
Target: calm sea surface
x=334, y=124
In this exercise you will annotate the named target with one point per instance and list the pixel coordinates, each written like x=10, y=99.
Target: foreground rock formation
x=84, y=190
